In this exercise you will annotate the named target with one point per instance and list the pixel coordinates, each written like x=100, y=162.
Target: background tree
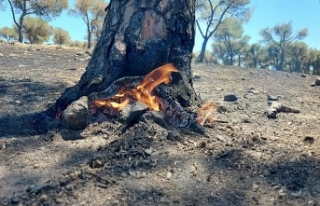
x=220, y=51
x=36, y=30
x=61, y=36
x=273, y=57
x=230, y=34
x=209, y=58
x=255, y=56
x=43, y=8
x=298, y=54
x=281, y=36
x=92, y=12
x=212, y=12
x=312, y=62
x=8, y=33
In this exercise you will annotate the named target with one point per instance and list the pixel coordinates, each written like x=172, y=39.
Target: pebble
x=44, y=198
x=272, y=98
x=230, y=98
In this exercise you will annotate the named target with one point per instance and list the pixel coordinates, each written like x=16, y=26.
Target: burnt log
x=137, y=37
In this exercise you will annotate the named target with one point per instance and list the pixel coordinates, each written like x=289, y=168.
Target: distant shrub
x=77, y=43
x=9, y=34
x=36, y=30
x=61, y=36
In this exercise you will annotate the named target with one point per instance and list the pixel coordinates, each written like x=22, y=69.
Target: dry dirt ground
x=243, y=159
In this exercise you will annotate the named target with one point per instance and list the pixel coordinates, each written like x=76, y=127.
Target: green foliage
x=209, y=58
x=92, y=12
x=213, y=12
x=77, y=43
x=312, y=62
x=61, y=36
x=229, y=41
x=297, y=56
x=36, y=30
x=281, y=36
x=46, y=9
x=8, y=33
x=256, y=56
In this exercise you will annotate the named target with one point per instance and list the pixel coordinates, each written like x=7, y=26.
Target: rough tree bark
x=137, y=37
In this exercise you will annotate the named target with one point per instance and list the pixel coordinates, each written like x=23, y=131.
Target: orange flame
x=143, y=91
x=206, y=113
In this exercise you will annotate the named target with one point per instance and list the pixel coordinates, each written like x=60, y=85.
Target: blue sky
x=267, y=13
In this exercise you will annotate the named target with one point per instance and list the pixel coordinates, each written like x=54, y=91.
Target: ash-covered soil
x=244, y=158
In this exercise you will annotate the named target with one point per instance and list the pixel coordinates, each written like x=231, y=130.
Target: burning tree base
x=107, y=105
x=136, y=38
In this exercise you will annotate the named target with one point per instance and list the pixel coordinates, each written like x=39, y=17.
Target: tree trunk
x=282, y=57
x=203, y=50
x=89, y=37
x=137, y=37
x=20, y=39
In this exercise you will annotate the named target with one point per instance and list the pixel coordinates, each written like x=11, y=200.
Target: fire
x=143, y=92
x=206, y=113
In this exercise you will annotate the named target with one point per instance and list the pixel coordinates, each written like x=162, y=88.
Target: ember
x=106, y=105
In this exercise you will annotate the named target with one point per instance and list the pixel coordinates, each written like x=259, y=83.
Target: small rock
x=317, y=82
x=18, y=102
x=222, y=109
x=196, y=77
x=1, y=55
x=309, y=139
x=75, y=115
x=230, y=98
x=272, y=98
x=253, y=91
x=272, y=113
x=148, y=151
x=313, y=84
x=43, y=198
x=169, y=175
x=303, y=75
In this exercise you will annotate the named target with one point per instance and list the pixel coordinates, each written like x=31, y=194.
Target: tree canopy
x=230, y=34
x=61, y=36
x=92, y=13
x=44, y=8
x=281, y=36
x=212, y=12
x=36, y=30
